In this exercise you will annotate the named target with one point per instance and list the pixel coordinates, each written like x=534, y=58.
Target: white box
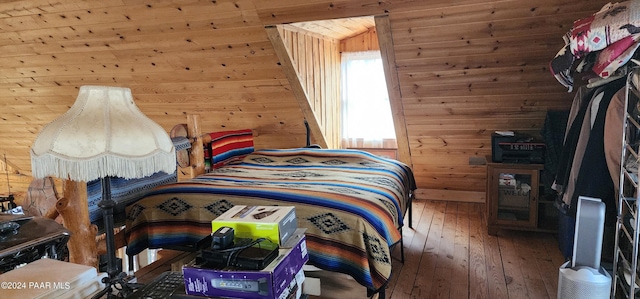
x=48, y=278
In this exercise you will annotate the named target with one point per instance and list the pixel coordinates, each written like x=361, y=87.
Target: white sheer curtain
x=366, y=114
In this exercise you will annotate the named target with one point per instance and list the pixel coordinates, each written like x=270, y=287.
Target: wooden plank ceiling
x=465, y=69
x=337, y=29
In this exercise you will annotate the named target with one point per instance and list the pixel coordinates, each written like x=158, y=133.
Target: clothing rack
x=626, y=272
x=602, y=48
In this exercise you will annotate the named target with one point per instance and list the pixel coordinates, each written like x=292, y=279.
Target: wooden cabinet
x=514, y=199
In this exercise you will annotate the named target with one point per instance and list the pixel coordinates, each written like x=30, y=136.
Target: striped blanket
x=351, y=202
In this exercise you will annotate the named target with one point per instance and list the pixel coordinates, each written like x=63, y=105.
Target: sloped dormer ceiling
x=337, y=29
x=465, y=69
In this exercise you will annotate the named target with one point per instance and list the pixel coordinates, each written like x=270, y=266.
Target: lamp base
x=103, y=264
x=116, y=285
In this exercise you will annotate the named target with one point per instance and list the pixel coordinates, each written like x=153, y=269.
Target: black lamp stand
x=116, y=278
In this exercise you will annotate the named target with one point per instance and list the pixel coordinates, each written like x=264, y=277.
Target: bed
x=351, y=202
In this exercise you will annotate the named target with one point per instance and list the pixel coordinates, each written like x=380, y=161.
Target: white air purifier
x=582, y=276
x=583, y=282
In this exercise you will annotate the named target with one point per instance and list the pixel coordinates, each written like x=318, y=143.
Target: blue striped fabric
x=351, y=203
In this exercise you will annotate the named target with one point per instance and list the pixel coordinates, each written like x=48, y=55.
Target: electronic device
x=587, y=242
x=232, y=282
x=246, y=254
x=258, y=256
x=163, y=286
x=517, y=148
x=583, y=277
x=222, y=238
x=259, y=286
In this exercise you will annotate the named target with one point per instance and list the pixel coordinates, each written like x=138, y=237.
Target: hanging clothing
x=593, y=177
x=553, y=129
x=613, y=136
x=577, y=139
x=576, y=116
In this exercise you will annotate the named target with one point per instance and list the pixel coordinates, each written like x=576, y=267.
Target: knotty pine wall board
x=416, y=89
x=263, y=99
x=58, y=59
x=507, y=75
x=481, y=52
x=484, y=41
x=286, y=11
x=490, y=11
x=366, y=41
x=465, y=68
x=519, y=120
x=22, y=8
x=317, y=63
x=469, y=108
x=252, y=88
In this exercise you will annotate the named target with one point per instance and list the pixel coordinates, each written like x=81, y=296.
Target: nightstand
x=515, y=199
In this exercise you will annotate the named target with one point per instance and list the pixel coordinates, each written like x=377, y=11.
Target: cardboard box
x=275, y=223
x=294, y=290
x=272, y=282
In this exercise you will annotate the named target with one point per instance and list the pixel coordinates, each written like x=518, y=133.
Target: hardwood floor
x=448, y=254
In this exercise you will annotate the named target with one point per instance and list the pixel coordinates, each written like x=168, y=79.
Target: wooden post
x=73, y=209
x=197, y=153
x=383, y=27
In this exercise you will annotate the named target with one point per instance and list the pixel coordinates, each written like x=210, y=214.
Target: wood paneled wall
x=14, y=183
x=469, y=70
x=317, y=61
x=466, y=68
x=366, y=41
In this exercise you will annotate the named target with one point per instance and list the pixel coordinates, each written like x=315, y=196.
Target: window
x=366, y=113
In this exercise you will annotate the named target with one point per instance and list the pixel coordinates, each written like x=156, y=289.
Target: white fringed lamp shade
x=103, y=134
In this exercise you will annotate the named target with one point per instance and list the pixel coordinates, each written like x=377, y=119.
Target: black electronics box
x=518, y=148
x=244, y=254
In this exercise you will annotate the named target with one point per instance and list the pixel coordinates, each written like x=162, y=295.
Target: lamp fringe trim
x=98, y=167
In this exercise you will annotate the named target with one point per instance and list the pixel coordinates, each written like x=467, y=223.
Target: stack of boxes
x=281, y=278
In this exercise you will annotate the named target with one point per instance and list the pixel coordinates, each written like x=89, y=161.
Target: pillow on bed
x=230, y=146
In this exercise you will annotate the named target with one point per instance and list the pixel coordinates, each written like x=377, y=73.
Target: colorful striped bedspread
x=351, y=202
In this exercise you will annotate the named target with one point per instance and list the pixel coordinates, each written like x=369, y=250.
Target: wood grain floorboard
x=459, y=287
x=414, y=244
x=449, y=254
x=478, y=282
x=426, y=274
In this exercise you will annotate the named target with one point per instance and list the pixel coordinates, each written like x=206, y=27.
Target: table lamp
x=103, y=135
